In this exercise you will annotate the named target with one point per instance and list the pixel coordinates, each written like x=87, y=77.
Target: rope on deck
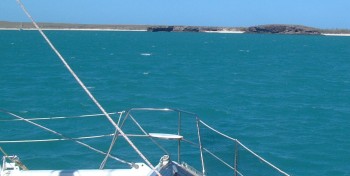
x=14, y=159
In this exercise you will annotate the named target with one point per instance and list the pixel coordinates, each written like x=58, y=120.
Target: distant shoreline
x=72, y=29
x=101, y=29
x=129, y=30
x=262, y=29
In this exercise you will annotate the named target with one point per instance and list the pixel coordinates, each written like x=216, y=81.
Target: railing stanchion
x=179, y=141
x=200, y=146
x=236, y=157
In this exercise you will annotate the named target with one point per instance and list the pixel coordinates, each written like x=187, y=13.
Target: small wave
x=145, y=54
x=145, y=73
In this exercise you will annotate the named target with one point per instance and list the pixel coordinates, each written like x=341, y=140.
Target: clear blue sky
x=316, y=13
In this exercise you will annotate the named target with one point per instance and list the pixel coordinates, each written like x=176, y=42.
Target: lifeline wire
x=60, y=139
x=64, y=137
x=53, y=140
x=55, y=118
x=86, y=90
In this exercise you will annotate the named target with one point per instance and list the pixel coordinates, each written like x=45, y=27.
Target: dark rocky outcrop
x=187, y=29
x=283, y=29
x=160, y=29
x=182, y=29
x=173, y=29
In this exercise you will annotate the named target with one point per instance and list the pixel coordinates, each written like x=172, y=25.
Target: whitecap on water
x=145, y=54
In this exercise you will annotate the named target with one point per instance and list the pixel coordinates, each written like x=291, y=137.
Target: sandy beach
x=341, y=35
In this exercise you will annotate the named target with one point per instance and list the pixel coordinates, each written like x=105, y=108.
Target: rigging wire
x=87, y=91
x=115, y=137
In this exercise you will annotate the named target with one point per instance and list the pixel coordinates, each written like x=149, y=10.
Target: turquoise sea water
x=286, y=97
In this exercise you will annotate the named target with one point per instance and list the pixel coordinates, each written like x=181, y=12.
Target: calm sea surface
x=286, y=97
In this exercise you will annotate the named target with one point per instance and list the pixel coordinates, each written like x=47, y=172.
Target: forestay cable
x=86, y=90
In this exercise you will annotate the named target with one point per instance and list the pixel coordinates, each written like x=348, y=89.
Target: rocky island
x=283, y=29
x=261, y=29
